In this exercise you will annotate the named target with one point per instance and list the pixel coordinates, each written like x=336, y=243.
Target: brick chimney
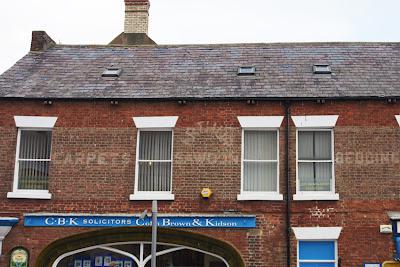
x=137, y=16
x=136, y=24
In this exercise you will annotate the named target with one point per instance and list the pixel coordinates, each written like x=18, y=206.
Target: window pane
x=260, y=145
x=317, y=250
x=154, y=176
x=323, y=145
x=35, y=145
x=260, y=176
x=315, y=145
x=315, y=176
x=33, y=175
x=306, y=145
x=155, y=145
x=314, y=264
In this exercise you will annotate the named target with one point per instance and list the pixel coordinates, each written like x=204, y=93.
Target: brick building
x=299, y=144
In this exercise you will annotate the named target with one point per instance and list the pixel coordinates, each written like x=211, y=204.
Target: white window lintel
x=155, y=122
x=260, y=121
x=317, y=233
x=398, y=119
x=35, y=122
x=324, y=121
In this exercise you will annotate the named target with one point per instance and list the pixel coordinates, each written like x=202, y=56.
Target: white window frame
x=157, y=124
x=260, y=123
x=316, y=234
x=30, y=123
x=398, y=119
x=316, y=124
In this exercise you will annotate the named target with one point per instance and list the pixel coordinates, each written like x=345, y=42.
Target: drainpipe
x=288, y=199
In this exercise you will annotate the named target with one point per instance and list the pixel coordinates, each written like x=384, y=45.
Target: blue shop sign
x=122, y=220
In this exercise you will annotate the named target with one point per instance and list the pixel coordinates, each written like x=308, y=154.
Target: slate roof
x=284, y=70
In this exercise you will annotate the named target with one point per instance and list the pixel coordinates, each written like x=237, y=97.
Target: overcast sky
x=198, y=21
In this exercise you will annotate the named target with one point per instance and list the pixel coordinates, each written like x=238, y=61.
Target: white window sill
x=315, y=196
x=31, y=194
x=152, y=196
x=259, y=196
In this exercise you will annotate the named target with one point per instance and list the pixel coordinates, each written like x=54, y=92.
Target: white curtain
x=260, y=161
x=34, y=160
x=155, y=161
x=314, y=146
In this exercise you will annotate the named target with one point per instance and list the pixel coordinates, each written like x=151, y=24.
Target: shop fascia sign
x=169, y=221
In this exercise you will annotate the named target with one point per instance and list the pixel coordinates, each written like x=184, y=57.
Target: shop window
x=315, y=158
x=33, y=157
x=153, y=175
x=260, y=158
x=317, y=254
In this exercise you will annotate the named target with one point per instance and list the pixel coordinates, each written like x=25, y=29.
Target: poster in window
x=107, y=260
x=19, y=258
x=98, y=261
x=78, y=263
x=87, y=263
x=127, y=264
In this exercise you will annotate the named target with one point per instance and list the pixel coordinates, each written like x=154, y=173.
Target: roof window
x=322, y=69
x=112, y=72
x=246, y=70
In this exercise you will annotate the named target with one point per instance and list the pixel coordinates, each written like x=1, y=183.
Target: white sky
x=198, y=21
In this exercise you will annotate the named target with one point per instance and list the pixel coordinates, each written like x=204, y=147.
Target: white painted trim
x=4, y=230
x=260, y=121
x=317, y=233
x=259, y=196
x=34, y=121
x=29, y=194
x=152, y=196
x=394, y=215
x=301, y=196
x=316, y=195
x=398, y=119
x=248, y=195
x=155, y=122
x=325, y=121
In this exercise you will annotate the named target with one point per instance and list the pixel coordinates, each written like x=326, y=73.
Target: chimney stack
x=137, y=16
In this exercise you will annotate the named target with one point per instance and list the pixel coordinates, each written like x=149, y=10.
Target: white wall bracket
x=6, y=223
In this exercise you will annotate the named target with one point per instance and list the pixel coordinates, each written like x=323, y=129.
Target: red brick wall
x=93, y=166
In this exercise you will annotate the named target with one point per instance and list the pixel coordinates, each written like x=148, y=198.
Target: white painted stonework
x=260, y=121
x=34, y=121
x=155, y=122
x=326, y=121
x=317, y=233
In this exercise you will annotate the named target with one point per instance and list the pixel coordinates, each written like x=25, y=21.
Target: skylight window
x=322, y=69
x=112, y=72
x=246, y=70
